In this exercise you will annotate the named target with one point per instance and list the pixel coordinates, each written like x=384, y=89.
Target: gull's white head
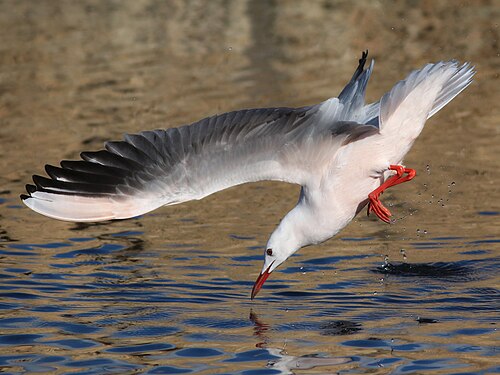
x=285, y=241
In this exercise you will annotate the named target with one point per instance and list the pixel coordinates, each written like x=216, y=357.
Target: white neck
x=310, y=223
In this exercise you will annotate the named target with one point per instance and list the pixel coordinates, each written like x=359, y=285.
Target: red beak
x=260, y=281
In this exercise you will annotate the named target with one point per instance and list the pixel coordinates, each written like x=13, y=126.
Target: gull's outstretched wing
x=164, y=167
x=170, y=166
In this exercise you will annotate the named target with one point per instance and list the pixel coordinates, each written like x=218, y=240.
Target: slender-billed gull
x=343, y=152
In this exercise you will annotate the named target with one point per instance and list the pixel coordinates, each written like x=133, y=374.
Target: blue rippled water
x=123, y=308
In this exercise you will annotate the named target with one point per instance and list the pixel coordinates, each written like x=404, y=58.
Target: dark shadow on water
x=325, y=328
x=339, y=328
x=438, y=270
x=421, y=320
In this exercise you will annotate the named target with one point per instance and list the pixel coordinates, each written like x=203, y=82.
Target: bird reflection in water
x=284, y=362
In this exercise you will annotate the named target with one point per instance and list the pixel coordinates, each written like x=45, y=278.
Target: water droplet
x=403, y=253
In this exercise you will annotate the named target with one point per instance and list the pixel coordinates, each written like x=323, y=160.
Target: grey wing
x=163, y=167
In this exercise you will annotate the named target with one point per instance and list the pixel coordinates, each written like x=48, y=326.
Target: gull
x=342, y=152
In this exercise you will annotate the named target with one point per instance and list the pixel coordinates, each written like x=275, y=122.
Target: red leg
x=375, y=204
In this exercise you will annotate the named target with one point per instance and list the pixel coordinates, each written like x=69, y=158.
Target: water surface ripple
x=97, y=309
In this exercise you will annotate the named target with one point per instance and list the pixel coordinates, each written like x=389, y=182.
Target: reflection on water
x=169, y=292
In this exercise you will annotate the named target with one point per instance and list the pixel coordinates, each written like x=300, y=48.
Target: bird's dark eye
x=269, y=252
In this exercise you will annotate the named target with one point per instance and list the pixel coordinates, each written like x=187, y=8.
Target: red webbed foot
x=375, y=205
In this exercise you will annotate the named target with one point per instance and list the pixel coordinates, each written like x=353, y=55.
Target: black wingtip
x=357, y=73
x=30, y=188
x=39, y=181
x=362, y=62
x=361, y=66
x=51, y=171
x=24, y=197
